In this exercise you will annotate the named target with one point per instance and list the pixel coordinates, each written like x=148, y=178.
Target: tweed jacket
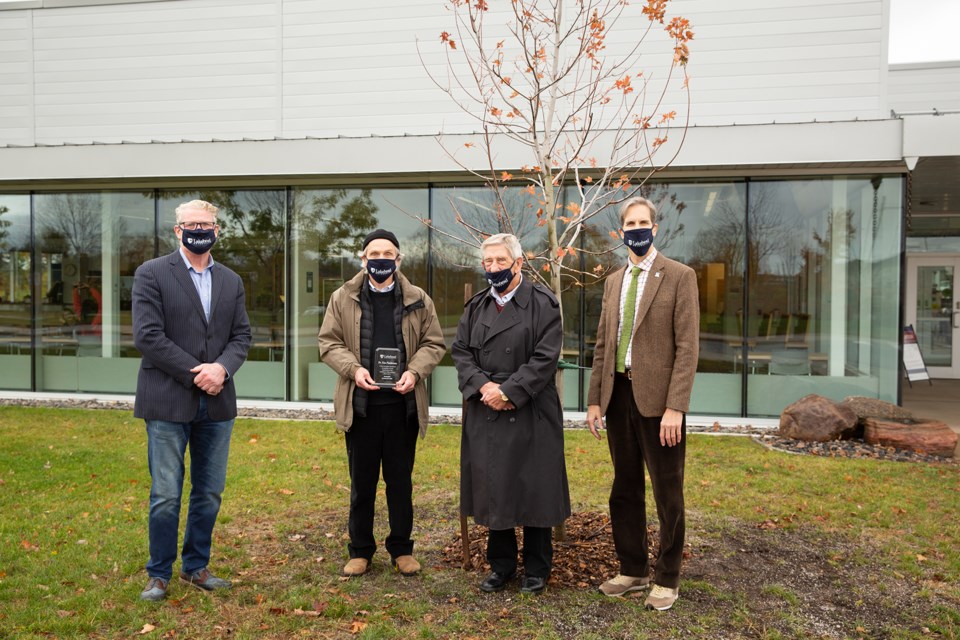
x=665, y=342
x=173, y=335
x=339, y=343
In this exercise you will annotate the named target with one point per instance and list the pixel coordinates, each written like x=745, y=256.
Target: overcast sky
x=920, y=30
x=924, y=30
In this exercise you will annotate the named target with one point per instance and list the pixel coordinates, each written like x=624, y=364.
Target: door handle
x=955, y=314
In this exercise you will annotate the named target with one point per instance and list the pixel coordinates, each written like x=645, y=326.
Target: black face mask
x=380, y=269
x=638, y=240
x=198, y=241
x=500, y=280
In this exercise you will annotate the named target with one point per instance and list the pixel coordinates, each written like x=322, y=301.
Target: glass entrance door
x=934, y=312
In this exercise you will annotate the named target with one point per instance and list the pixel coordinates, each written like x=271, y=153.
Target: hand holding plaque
x=386, y=367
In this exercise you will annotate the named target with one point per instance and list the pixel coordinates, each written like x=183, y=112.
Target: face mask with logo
x=638, y=240
x=380, y=269
x=198, y=241
x=500, y=280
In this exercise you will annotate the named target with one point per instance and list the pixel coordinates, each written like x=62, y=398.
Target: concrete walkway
x=940, y=401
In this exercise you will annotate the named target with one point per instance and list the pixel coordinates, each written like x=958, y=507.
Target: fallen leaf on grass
x=357, y=626
x=147, y=628
x=65, y=614
x=308, y=614
x=286, y=492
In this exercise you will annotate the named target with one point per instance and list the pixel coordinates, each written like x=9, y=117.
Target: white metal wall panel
x=209, y=69
x=157, y=71
x=16, y=78
x=925, y=87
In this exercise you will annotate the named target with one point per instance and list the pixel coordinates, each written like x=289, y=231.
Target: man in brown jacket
x=643, y=367
x=379, y=309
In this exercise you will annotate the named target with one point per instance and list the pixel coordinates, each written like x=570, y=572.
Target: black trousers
x=537, y=551
x=385, y=438
x=634, y=441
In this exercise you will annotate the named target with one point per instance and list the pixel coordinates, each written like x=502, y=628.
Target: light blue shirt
x=203, y=281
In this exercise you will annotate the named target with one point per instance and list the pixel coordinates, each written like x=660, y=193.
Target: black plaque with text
x=386, y=367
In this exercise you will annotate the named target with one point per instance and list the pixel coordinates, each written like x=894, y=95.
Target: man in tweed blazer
x=190, y=325
x=643, y=367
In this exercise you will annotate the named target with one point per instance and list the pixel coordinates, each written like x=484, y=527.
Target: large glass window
x=251, y=242
x=88, y=245
x=15, y=293
x=824, y=269
x=328, y=227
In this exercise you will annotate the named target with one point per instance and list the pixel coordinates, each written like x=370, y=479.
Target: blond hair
x=201, y=205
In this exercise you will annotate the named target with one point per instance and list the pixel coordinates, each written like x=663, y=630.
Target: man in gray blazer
x=190, y=325
x=643, y=368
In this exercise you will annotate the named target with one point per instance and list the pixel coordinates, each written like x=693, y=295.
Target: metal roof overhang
x=732, y=150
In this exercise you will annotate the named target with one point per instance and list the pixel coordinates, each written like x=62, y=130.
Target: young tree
x=551, y=79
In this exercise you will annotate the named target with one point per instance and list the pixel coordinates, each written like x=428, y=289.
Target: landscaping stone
x=873, y=408
x=931, y=437
x=815, y=418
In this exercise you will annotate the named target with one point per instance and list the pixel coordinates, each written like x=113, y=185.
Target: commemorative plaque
x=386, y=367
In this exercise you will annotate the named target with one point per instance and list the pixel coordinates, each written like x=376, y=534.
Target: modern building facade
x=815, y=193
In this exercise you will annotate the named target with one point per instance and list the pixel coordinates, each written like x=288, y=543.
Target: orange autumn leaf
x=506, y=176
x=445, y=39
x=494, y=111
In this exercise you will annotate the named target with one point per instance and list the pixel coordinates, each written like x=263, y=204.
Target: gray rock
x=873, y=408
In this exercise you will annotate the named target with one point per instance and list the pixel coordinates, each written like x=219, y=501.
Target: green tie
x=629, y=311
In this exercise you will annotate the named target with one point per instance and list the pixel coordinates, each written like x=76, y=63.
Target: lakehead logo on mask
x=380, y=269
x=198, y=241
x=638, y=240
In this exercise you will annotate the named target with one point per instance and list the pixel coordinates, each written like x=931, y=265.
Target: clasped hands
x=210, y=377
x=490, y=395
x=404, y=385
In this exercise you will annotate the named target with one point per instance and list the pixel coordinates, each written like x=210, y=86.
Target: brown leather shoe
x=406, y=565
x=356, y=567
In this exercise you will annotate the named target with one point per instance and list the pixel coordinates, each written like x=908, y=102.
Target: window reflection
x=88, y=246
x=327, y=231
x=15, y=296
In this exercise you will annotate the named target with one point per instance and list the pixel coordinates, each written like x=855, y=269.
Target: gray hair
x=201, y=205
x=632, y=202
x=507, y=240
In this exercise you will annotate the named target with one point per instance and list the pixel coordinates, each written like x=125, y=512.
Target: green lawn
x=782, y=546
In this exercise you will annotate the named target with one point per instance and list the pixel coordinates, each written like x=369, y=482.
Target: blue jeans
x=167, y=442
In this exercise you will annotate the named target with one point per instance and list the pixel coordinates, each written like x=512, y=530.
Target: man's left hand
x=671, y=428
x=210, y=377
x=406, y=383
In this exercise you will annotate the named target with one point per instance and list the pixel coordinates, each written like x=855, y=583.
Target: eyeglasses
x=197, y=226
x=500, y=262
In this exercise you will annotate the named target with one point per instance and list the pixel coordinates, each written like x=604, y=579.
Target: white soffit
x=764, y=145
x=931, y=135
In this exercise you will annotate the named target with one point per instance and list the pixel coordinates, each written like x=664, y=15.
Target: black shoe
x=533, y=584
x=205, y=580
x=496, y=581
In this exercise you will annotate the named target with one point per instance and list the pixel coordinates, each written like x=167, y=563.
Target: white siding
x=230, y=69
x=925, y=87
x=157, y=71
x=16, y=78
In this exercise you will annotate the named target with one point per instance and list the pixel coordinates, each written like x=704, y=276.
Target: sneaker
x=661, y=598
x=621, y=585
x=406, y=565
x=205, y=580
x=356, y=567
x=155, y=590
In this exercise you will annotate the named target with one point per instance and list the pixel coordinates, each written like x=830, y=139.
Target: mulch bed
x=585, y=558
x=848, y=449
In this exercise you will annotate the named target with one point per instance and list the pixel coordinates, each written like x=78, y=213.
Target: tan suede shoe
x=356, y=567
x=661, y=598
x=622, y=585
x=406, y=565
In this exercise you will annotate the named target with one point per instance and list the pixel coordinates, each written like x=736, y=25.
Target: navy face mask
x=380, y=269
x=198, y=241
x=638, y=240
x=500, y=280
